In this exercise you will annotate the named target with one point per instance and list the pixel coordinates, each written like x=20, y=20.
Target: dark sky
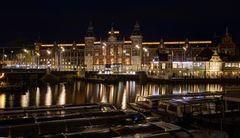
x=24, y=21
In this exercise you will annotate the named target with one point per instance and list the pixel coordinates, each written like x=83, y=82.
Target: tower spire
x=136, y=29
x=90, y=32
x=227, y=30
x=112, y=27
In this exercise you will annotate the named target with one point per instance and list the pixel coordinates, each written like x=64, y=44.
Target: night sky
x=65, y=21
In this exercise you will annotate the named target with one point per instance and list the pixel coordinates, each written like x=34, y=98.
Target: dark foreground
x=91, y=120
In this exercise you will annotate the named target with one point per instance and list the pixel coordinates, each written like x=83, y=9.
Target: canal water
x=79, y=92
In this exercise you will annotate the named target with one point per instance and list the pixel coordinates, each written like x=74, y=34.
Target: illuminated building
x=162, y=59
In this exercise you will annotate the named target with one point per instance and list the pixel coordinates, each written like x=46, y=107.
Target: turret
x=89, y=38
x=88, y=50
x=137, y=48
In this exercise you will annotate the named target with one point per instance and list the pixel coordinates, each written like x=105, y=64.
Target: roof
x=206, y=53
x=226, y=57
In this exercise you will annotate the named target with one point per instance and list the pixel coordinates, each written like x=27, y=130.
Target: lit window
x=163, y=65
x=227, y=64
x=234, y=65
x=174, y=65
x=112, y=60
x=112, y=51
x=120, y=51
x=127, y=60
x=119, y=60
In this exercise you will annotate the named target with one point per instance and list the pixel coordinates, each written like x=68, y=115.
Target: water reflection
x=79, y=92
x=37, y=96
x=48, y=100
x=11, y=100
x=25, y=99
x=2, y=100
x=62, y=96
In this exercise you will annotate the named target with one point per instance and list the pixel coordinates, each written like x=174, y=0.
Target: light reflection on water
x=25, y=99
x=62, y=96
x=48, y=98
x=37, y=96
x=118, y=94
x=2, y=100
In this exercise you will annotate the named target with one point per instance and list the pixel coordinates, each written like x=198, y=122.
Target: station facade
x=115, y=54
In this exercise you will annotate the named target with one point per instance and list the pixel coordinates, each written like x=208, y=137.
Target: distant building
x=160, y=58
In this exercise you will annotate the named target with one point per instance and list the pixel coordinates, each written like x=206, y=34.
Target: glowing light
x=48, y=52
x=144, y=43
x=127, y=42
x=145, y=49
x=37, y=96
x=114, y=32
x=2, y=75
x=111, y=94
x=25, y=50
x=137, y=46
x=37, y=54
x=124, y=99
x=104, y=44
x=63, y=49
x=104, y=94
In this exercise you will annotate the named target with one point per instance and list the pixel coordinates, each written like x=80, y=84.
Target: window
x=234, y=65
x=163, y=65
x=127, y=61
x=112, y=60
x=111, y=51
x=227, y=64
x=120, y=51
x=104, y=51
x=119, y=60
x=174, y=65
